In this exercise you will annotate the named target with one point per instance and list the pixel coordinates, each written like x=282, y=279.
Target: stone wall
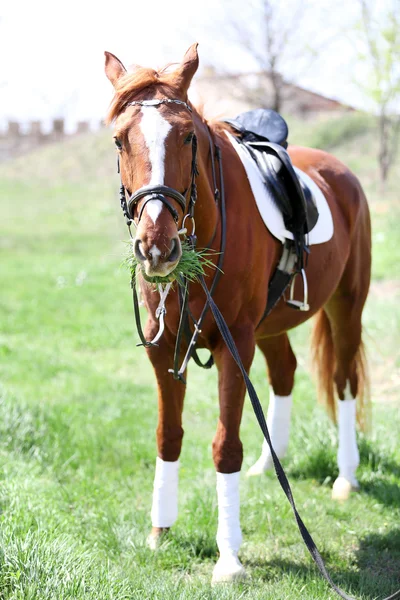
x=19, y=138
x=220, y=96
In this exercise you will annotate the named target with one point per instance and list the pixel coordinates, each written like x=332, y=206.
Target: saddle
x=264, y=133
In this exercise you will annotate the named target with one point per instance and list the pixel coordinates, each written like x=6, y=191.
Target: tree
x=274, y=43
x=269, y=39
x=380, y=31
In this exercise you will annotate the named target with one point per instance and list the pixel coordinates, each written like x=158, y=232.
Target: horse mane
x=131, y=84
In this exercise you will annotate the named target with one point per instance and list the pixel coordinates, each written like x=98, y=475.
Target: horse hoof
x=342, y=489
x=260, y=467
x=156, y=536
x=228, y=570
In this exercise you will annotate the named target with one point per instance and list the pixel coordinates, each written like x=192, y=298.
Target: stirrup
x=298, y=304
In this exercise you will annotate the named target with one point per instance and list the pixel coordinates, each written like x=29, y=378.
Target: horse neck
x=206, y=213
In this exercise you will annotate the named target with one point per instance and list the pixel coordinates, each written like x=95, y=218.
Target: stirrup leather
x=298, y=304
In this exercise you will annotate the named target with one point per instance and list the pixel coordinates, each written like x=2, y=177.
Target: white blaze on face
x=155, y=130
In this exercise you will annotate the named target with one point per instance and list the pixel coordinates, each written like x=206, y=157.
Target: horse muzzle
x=156, y=261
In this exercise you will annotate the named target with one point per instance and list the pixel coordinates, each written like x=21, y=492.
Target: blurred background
x=78, y=399
x=304, y=59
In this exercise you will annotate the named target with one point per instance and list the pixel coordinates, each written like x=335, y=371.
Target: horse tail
x=324, y=367
x=363, y=389
x=324, y=362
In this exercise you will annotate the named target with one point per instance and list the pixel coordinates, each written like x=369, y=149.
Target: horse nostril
x=175, y=250
x=137, y=251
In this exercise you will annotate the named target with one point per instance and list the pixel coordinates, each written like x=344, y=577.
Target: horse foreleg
x=228, y=454
x=164, y=511
x=281, y=368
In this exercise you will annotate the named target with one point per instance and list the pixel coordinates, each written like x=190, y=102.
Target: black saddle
x=264, y=134
x=261, y=124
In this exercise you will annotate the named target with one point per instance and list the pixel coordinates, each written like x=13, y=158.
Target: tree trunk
x=276, y=80
x=384, y=147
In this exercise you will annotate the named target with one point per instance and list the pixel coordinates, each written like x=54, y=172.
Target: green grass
x=190, y=267
x=78, y=415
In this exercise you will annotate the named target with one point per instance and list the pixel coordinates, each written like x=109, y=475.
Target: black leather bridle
x=161, y=192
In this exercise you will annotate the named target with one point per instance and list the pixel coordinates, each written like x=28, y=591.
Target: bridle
x=161, y=192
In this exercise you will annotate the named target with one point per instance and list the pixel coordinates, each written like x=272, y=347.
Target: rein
x=280, y=473
x=160, y=192
x=219, y=194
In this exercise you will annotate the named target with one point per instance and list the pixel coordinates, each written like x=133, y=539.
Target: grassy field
x=78, y=410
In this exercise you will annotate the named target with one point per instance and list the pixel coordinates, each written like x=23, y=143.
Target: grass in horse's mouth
x=190, y=266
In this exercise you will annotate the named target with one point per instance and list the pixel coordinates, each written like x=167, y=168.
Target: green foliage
x=330, y=133
x=379, y=32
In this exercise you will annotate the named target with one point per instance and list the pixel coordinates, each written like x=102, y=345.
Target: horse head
x=155, y=139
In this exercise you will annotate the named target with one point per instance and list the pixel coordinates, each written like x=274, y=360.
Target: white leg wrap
x=278, y=421
x=348, y=456
x=164, y=510
x=229, y=534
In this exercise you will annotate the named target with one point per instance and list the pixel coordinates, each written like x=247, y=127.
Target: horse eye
x=189, y=138
x=118, y=143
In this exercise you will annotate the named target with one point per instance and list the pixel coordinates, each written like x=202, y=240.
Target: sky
x=52, y=53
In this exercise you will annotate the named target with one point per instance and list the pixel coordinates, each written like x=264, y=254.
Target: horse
x=155, y=127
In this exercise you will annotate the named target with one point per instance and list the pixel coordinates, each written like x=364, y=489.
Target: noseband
x=161, y=192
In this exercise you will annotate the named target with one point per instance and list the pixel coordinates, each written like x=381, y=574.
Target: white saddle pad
x=271, y=215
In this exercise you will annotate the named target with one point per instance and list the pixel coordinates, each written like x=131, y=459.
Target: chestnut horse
x=154, y=142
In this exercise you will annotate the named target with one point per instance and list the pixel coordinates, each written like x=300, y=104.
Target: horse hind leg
x=342, y=366
x=281, y=363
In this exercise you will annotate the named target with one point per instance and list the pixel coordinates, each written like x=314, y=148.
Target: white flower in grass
x=61, y=282
x=80, y=278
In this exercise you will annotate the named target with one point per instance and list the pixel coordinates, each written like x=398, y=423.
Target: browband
x=158, y=101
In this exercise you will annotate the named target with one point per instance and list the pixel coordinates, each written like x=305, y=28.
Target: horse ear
x=188, y=66
x=114, y=68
